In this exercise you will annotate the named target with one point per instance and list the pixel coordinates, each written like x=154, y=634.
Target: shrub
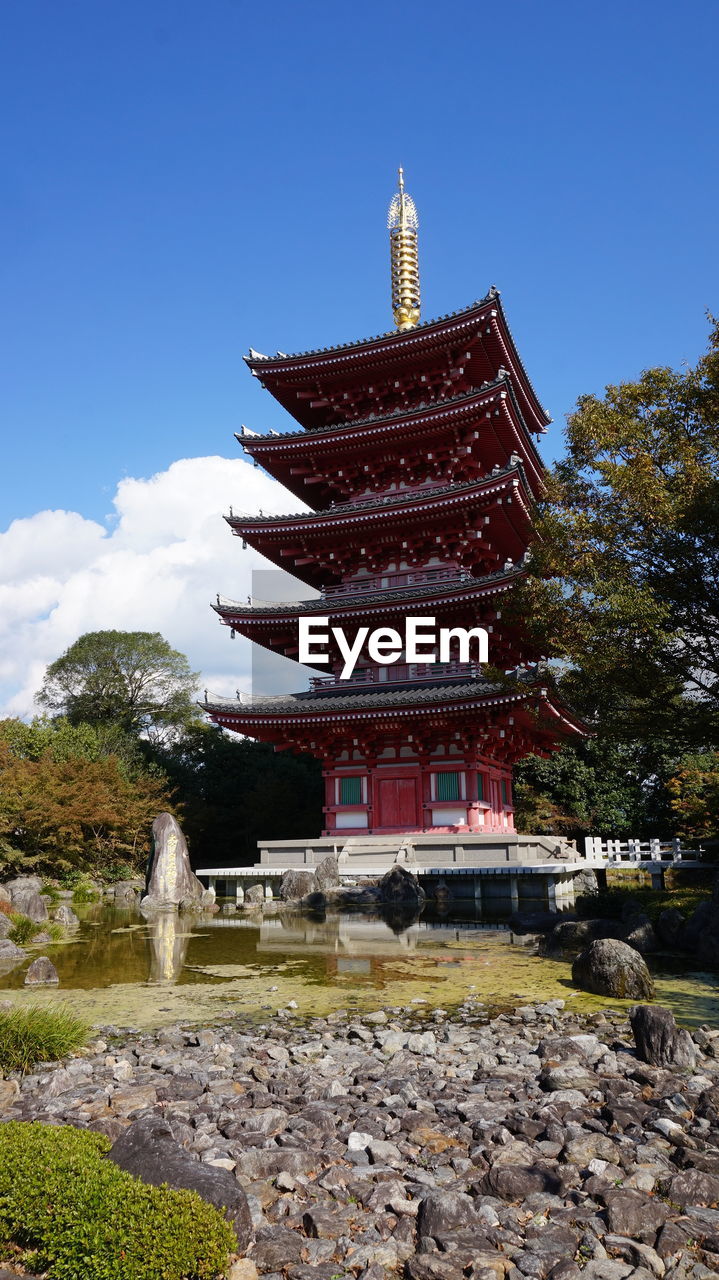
x=56, y=931
x=23, y=929
x=52, y=893
x=6, y=907
x=82, y=1216
x=38, y=1034
x=84, y=892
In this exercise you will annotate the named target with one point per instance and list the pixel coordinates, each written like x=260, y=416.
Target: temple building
x=415, y=453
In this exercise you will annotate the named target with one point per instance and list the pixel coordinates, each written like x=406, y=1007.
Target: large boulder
x=609, y=967
x=400, y=888
x=327, y=875
x=124, y=894
x=659, y=1040
x=19, y=883
x=5, y=894
x=28, y=902
x=170, y=877
x=6, y=925
x=42, y=973
x=295, y=885
x=148, y=1150
x=255, y=895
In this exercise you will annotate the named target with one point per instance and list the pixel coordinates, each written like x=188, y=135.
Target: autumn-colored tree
x=61, y=811
x=624, y=577
x=694, y=791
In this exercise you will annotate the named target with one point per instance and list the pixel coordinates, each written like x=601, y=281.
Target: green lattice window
x=351, y=790
x=480, y=786
x=505, y=791
x=447, y=786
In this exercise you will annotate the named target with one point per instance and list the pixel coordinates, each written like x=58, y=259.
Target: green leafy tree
x=235, y=791
x=624, y=579
x=597, y=787
x=131, y=681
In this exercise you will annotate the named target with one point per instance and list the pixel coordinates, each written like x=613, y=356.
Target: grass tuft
x=23, y=929
x=38, y=1034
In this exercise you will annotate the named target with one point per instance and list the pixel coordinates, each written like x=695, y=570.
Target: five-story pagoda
x=416, y=456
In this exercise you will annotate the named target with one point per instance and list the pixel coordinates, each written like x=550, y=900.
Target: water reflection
x=167, y=938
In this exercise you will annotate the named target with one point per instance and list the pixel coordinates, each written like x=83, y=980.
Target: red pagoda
x=416, y=455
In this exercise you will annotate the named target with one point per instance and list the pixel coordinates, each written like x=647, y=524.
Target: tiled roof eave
x=417, y=500
x=380, y=600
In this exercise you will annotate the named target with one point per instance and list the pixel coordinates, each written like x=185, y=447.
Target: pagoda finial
x=402, y=222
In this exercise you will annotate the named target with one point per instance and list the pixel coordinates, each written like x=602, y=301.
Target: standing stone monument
x=170, y=878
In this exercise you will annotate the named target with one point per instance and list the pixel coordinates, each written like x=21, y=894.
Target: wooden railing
x=400, y=673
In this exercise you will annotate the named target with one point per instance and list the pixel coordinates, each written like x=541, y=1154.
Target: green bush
x=23, y=929
x=56, y=931
x=52, y=893
x=38, y=1034
x=78, y=1215
x=84, y=892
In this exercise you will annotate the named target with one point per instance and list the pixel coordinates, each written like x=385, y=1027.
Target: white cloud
x=156, y=567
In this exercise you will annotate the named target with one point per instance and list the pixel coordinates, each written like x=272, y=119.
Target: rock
x=611, y=968
x=5, y=894
x=275, y=1250
x=327, y=874
x=170, y=877
x=700, y=934
x=20, y=883
x=516, y=1182
x=255, y=895
x=669, y=927
x=5, y=925
x=295, y=885
x=28, y=902
x=400, y=888
x=573, y=935
x=242, y=1269
x=640, y=934
x=125, y=895
x=10, y=955
x=9, y=1093
x=630, y=1213
x=148, y=1150
x=443, y=1211
x=66, y=916
x=659, y=1040
x=41, y=973
x=586, y=884
x=693, y=1188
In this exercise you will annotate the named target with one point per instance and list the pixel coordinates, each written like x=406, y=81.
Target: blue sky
x=182, y=179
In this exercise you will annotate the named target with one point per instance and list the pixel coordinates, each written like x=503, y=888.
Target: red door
x=397, y=802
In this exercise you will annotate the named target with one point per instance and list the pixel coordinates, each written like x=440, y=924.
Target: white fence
x=648, y=853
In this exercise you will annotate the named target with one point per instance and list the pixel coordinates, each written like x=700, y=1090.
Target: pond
x=119, y=969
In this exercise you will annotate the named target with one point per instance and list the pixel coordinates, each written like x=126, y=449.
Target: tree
x=694, y=790
x=81, y=810
x=597, y=787
x=234, y=792
x=132, y=681
x=624, y=576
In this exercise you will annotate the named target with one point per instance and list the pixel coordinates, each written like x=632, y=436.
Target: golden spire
x=402, y=221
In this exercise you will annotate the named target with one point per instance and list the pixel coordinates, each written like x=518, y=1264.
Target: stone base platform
x=526, y=870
